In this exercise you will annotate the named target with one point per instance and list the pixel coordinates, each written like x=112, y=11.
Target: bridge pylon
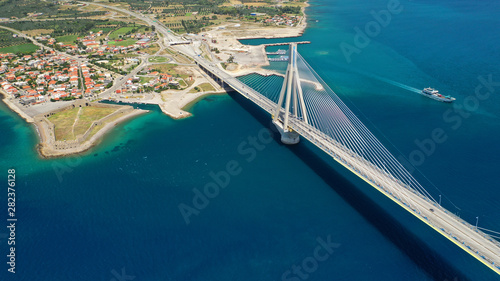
x=291, y=93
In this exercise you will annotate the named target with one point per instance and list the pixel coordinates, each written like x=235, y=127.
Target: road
x=120, y=82
x=158, y=26
x=168, y=36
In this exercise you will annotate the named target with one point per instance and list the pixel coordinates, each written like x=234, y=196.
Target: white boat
x=434, y=94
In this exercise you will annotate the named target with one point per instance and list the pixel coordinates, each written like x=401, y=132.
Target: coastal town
x=46, y=76
x=125, y=53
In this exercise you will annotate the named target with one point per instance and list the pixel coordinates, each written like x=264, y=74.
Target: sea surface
x=284, y=213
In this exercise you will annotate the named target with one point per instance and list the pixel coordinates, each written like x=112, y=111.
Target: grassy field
x=206, y=87
x=23, y=48
x=145, y=79
x=68, y=39
x=168, y=68
x=110, y=120
x=123, y=43
x=120, y=32
x=89, y=115
x=152, y=50
x=183, y=84
x=105, y=30
x=67, y=129
x=142, y=30
x=157, y=59
x=36, y=32
x=63, y=122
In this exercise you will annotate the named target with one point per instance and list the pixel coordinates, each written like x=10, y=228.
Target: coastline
x=15, y=108
x=188, y=104
x=45, y=150
x=301, y=28
x=176, y=107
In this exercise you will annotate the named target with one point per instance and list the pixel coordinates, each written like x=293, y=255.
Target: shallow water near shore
x=115, y=209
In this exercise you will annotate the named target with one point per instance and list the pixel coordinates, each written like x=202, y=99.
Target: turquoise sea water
x=114, y=212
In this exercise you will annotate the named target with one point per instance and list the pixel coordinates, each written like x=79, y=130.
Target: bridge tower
x=291, y=93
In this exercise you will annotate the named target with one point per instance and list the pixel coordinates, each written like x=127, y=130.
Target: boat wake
x=397, y=84
x=376, y=77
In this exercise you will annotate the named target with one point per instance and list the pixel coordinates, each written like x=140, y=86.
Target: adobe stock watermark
x=455, y=118
x=310, y=264
x=372, y=29
x=123, y=276
x=248, y=149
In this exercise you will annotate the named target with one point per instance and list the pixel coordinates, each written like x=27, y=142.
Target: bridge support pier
x=291, y=94
x=287, y=136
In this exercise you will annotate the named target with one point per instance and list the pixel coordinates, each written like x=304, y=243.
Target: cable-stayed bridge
x=313, y=111
x=304, y=106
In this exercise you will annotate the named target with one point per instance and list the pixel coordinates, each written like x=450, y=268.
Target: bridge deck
x=476, y=243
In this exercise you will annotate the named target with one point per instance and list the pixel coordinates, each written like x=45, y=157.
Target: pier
x=279, y=52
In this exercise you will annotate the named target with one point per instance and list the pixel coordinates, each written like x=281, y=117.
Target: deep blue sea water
x=114, y=211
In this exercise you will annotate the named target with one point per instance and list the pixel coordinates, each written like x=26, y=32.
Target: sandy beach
x=176, y=108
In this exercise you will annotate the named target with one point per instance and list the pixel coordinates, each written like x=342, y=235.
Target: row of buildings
x=47, y=76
